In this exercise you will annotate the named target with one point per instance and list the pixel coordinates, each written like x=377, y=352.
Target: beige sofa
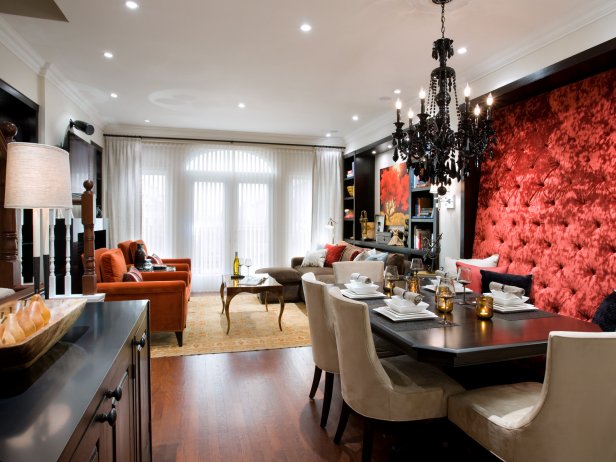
x=291, y=277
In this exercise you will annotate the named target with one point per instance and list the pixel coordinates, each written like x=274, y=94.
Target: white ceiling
x=188, y=64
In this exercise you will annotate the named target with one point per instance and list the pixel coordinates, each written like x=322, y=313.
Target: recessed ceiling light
x=397, y=91
x=147, y=121
x=241, y=105
x=328, y=135
x=355, y=118
x=305, y=27
x=108, y=54
x=131, y=5
x=114, y=95
x=389, y=146
x=462, y=50
x=373, y=151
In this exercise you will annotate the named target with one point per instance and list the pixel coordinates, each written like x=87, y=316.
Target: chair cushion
x=133, y=275
x=491, y=415
x=334, y=253
x=605, y=316
x=476, y=279
x=113, y=266
x=525, y=282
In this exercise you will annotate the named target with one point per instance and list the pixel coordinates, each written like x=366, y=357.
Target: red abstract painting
x=394, y=188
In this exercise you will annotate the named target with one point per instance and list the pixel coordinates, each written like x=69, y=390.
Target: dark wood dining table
x=471, y=341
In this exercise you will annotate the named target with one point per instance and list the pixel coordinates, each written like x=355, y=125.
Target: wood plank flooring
x=254, y=406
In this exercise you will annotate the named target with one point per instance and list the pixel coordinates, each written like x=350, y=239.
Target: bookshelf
x=358, y=192
x=424, y=213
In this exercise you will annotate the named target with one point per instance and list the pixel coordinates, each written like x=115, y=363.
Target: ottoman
x=289, y=278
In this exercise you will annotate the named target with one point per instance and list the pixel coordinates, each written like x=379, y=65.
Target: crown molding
x=222, y=135
x=20, y=48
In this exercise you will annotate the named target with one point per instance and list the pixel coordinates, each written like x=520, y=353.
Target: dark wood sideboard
x=88, y=398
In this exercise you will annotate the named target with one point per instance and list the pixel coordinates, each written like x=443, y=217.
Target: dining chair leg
x=327, y=398
x=344, y=418
x=315, y=382
x=366, y=452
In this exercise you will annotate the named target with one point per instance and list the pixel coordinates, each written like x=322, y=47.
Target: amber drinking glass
x=445, y=292
x=391, y=276
x=485, y=307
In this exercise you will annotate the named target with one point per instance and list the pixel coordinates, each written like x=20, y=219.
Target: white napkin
x=412, y=297
x=400, y=305
x=517, y=291
x=356, y=277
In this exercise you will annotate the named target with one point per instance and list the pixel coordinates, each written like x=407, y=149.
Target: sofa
x=290, y=277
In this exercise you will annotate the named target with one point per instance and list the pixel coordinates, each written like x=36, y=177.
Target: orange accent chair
x=167, y=291
x=181, y=264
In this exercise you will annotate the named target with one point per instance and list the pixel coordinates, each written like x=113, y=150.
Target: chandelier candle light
x=430, y=147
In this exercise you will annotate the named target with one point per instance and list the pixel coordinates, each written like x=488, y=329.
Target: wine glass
x=445, y=292
x=248, y=264
x=413, y=282
x=464, y=278
x=416, y=265
x=241, y=264
x=391, y=276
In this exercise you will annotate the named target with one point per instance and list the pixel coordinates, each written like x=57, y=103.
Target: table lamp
x=331, y=225
x=38, y=177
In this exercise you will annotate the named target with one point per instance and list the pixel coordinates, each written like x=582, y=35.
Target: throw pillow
x=314, y=258
x=156, y=260
x=133, y=275
x=133, y=246
x=350, y=252
x=113, y=266
x=525, y=281
x=334, y=253
x=476, y=284
x=605, y=316
x=378, y=257
x=361, y=256
x=450, y=263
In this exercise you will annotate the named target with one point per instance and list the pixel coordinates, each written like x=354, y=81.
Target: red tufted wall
x=547, y=201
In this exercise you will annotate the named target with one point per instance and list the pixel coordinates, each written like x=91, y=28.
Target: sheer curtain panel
x=122, y=187
x=208, y=200
x=327, y=196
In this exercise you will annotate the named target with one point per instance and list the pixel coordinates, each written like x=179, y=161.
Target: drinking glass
x=416, y=265
x=464, y=278
x=391, y=276
x=445, y=292
x=241, y=264
x=248, y=264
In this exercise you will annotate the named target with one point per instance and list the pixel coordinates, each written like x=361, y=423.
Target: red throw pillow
x=113, y=266
x=133, y=275
x=334, y=254
x=475, y=284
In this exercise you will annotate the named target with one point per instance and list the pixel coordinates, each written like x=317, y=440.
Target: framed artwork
x=394, y=192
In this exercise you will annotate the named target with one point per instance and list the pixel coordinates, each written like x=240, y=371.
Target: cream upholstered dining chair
x=373, y=269
x=391, y=389
x=571, y=417
x=324, y=352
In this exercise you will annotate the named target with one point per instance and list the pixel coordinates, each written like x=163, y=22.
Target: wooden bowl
x=64, y=313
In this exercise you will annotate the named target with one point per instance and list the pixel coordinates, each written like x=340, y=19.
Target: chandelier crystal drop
x=434, y=151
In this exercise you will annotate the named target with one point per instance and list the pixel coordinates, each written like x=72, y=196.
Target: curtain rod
x=223, y=141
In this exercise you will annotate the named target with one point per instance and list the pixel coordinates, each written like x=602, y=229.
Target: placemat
x=522, y=315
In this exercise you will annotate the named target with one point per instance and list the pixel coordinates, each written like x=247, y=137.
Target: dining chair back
x=571, y=417
x=373, y=269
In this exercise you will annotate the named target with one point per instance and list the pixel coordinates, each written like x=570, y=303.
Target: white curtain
x=327, y=196
x=122, y=187
x=207, y=201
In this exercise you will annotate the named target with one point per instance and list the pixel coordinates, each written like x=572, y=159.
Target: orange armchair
x=181, y=264
x=167, y=291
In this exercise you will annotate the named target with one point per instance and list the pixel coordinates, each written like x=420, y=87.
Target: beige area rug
x=252, y=328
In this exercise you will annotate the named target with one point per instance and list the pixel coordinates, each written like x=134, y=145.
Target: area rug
x=252, y=328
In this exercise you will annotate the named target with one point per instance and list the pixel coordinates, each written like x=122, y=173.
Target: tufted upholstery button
x=561, y=266
x=593, y=271
x=578, y=246
x=548, y=244
x=573, y=290
x=518, y=185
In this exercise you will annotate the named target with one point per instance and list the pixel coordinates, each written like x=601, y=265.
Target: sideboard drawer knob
x=110, y=418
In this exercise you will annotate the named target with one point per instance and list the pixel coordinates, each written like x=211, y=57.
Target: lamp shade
x=37, y=176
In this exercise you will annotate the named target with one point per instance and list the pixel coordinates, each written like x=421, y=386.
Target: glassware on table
x=413, y=281
x=464, y=278
x=248, y=264
x=445, y=292
x=485, y=307
x=391, y=276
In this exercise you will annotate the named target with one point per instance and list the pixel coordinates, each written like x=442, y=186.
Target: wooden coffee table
x=229, y=288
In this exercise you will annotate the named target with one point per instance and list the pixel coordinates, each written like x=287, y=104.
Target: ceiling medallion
x=434, y=151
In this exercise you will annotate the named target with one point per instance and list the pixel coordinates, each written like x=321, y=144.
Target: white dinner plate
x=350, y=294
x=514, y=309
x=459, y=290
x=422, y=315
x=365, y=289
x=409, y=307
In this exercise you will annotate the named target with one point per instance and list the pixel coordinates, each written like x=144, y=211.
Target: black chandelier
x=430, y=146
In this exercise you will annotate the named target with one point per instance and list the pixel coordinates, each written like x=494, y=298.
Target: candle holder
x=484, y=307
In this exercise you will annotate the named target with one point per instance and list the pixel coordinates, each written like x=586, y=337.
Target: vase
x=140, y=257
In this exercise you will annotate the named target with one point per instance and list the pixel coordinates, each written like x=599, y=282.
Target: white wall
x=568, y=45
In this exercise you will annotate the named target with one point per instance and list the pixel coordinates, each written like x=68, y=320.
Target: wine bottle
x=236, y=265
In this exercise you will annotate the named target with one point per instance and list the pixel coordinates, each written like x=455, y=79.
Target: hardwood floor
x=254, y=406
